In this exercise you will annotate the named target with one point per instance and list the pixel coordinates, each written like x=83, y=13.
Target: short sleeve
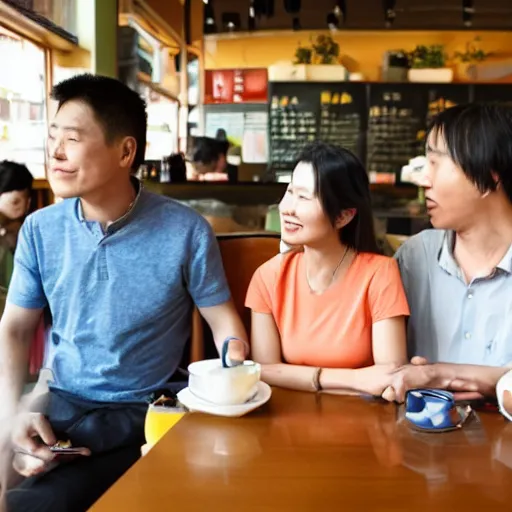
x=207, y=282
x=261, y=291
x=400, y=257
x=26, y=288
x=386, y=293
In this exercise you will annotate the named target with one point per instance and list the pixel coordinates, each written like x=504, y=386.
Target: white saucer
x=193, y=403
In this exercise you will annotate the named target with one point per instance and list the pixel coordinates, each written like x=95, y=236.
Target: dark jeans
x=72, y=487
x=113, y=432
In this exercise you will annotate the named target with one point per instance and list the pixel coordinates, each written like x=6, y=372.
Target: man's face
x=14, y=204
x=452, y=200
x=82, y=163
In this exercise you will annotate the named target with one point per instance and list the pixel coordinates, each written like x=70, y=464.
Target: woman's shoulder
x=278, y=265
x=375, y=262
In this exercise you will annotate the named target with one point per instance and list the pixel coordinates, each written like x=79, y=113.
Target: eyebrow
x=430, y=149
x=301, y=189
x=67, y=128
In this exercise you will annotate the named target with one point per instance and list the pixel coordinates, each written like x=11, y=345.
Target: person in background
x=15, y=193
x=332, y=315
x=120, y=269
x=458, y=276
x=210, y=163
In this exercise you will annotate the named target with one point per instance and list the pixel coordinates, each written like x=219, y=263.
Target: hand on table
x=420, y=374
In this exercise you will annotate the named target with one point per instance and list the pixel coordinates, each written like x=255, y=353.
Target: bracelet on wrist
x=316, y=379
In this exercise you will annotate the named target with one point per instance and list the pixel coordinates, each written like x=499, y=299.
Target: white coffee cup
x=210, y=381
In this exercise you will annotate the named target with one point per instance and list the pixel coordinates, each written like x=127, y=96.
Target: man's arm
x=210, y=292
x=470, y=377
x=462, y=378
x=225, y=323
x=17, y=331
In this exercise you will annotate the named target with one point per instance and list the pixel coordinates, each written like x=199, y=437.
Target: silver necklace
x=332, y=277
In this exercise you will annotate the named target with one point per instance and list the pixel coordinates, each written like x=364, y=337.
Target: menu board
x=385, y=124
x=341, y=113
x=443, y=96
x=396, y=129
x=301, y=113
x=293, y=123
x=236, y=86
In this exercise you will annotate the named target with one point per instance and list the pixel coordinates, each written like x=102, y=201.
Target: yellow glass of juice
x=160, y=419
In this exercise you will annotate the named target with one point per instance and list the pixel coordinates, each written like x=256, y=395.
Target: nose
x=287, y=205
x=56, y=149
x=424, y=178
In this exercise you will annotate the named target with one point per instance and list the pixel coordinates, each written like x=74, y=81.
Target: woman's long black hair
x=341, y=182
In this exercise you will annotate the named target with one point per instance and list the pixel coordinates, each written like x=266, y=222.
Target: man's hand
x=237, y=352
x=31, y=455
x=420, y=374
x=32, y=437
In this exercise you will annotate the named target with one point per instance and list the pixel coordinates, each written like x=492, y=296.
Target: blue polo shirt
x=121, y=300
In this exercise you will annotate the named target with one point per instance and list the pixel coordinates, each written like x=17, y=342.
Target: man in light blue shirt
x=458, y=277
x=119, y=269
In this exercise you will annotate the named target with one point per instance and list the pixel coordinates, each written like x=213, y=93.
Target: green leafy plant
x=303, y=55
x=326, y=49
x=423, y=57
x=473, y=52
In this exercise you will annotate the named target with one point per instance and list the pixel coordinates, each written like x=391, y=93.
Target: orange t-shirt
x=334, y=329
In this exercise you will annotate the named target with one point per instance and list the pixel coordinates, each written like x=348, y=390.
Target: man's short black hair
x=14, y=176
x=119, y=109
x=478, y=138
x=208, y=150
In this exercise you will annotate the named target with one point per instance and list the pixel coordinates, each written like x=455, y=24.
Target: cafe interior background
x=273, y=74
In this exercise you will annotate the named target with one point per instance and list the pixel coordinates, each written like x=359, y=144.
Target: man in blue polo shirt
x=119, y=269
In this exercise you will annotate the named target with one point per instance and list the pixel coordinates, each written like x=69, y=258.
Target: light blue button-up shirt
x=451, y=320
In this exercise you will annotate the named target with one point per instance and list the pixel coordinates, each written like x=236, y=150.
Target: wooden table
x=321, y=453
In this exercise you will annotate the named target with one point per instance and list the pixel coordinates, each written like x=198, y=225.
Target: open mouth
x=429, y=203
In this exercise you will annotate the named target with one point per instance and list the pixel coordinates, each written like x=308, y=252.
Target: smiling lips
x=291, y=226
x=61, y=172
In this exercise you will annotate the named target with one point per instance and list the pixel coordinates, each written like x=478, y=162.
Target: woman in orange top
x=330, y=316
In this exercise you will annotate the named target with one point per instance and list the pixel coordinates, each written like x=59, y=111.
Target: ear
x=128, y=149
x=345, y=217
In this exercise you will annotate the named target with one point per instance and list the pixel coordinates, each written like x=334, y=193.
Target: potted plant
x=317, y=63
x=303, y=55
x=467, y=60
x=428, y=64
x=326, y=50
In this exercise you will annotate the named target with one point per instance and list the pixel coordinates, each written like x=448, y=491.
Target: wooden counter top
x=305, y=452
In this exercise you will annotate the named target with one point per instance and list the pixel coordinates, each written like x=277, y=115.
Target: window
x=23, y=122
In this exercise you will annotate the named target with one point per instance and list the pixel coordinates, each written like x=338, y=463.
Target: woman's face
x=303, y=220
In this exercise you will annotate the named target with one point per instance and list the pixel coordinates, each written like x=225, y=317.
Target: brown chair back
x=242, y=254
